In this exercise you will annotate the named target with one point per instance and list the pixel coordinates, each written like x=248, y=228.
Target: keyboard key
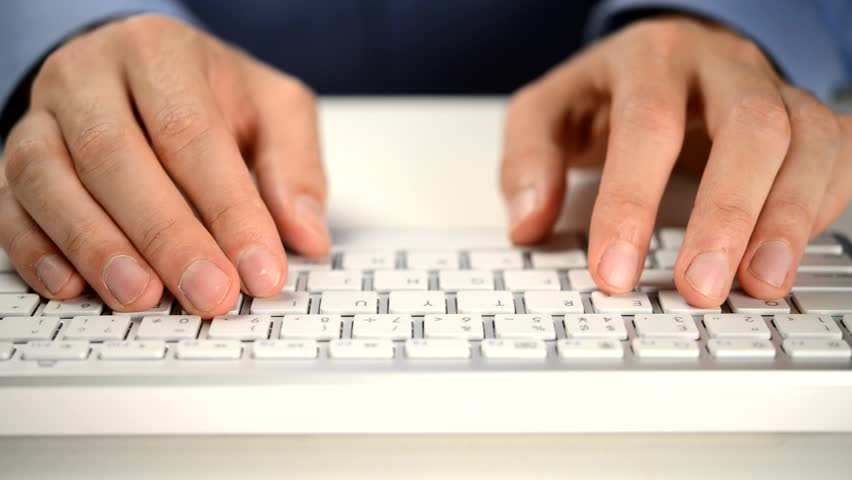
x=455, y=280
x=496, y=259
x=672, y=302
x=97, y=328
x=387, y=326
x=653, y=244
x=558, y=303
x=285, y=349
x=24, y=329
x=486, y=303
x=466, y=327
x=169, y=327
x=18, y=304
x=368, y=260
x=209, y=350
x=740, y=348
x=665, y=348
x=311, y=327
x=163, y=307
x=739, y=302
x=297, y=264
x=520, y=280
x=321, y=281
x=595, y=325
x=825, y=263
x=580, y=280
x=236, y=307
x=292, y=282
x=826, y=243
x=665, y=259
x=88, y=304
x=6, y=349
x=578, y=348
x=513, y=349
x=831, y=303
x=240, y=327
x=387, y=280
x=133, y=350
x=829, y=282
x=656, y=279
x=563, y=260
x=847, y=320
x=806, y=326
x=360, y=349
x=671, y=238
x=282, y=304
x=431, y=348
x=626, y=303
x=735, y=325
x=349, y=303
x=5, y=262
x=524, y=326
x=666, y=325
x=61, y=350
x=817, y=349
x=432, y=260
x=12, y=283
x=417, y=303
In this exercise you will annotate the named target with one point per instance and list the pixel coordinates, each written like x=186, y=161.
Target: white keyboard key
x=828, y=282
x=740, y=348
x=292, y=282
x=361, y=349
x=825, y=263
x=804, y=325
x=303, y=264
x=282, y=304
x=577, y=348
x=666, y=325
x=455, y=280
x=625, y=303
x=466, y=327
x=61, y=350
x=665, y=348
x=736, y=325
x=163, y=307
x=349, y=303
x=388, y=280
x=520, y=280
x=486, y=303
x=368, y=260
x=133, y=350
x=653, y=244
x=88, y=304
x=739, y=302
x=656, y=279
x=208, y=350
x=826, y=244
x=558, y=303
x=18, y=304
x=432, y=260
x=311, y=327
x=563, y=260
x=524, y=326
x=5, y=262
x=417, y=303
x=817, y=349
x=496, y=259
x=12, y=283
x=513, y=349
x=665, y=259
x=240, y=327
x=169, y=327
x=672, y=302
x=431, y=348
x=24, y=329
x=321, y=281
x=387, y=326
x=285, y=349
x=671, y=238
x=580, y=280
x=6, y=349
x=831, y=303
x=595, y=325
x=847, y=320
x=97, y=328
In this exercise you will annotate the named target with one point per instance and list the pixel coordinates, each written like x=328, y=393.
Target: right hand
x=131, y=127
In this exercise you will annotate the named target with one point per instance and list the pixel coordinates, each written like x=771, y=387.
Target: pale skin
x=135, y=124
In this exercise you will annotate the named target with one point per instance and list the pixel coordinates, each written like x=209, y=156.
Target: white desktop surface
x=409, y=163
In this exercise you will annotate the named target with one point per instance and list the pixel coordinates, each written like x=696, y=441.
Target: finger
x=747, y=122
x=839, y=190
x=42, y=178
x=768, y=266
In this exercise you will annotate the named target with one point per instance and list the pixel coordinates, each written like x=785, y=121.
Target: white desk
x=435, y=163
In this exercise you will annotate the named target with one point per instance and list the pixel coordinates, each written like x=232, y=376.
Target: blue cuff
x=791, y=32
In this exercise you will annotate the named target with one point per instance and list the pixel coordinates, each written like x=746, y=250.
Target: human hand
x=131, y=127
x=779, y=171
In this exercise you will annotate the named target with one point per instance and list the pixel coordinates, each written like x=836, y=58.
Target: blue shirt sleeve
x=805, y=39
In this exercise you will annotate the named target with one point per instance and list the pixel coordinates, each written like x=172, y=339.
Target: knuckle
x=730, y=214
x=178, y=126
x=20, y=246
x=78, y=241
x=816, y=119
x=654, y=112
x=236, y=216
x=95, y=148
x=141, y=27
x=58, y=67
x=22, y=156
x=156, y=236
x=794, y=209
x=299, y=93
x=626, y=203
x=764, y=112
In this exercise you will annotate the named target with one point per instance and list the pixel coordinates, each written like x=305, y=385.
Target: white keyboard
x=439, y=332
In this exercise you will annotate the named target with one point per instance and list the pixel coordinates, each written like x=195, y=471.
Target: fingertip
x=533, y=212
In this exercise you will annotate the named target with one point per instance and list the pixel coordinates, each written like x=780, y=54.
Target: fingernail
x=771, y=262
x=204, y=285
x=618, y=265
x=708, y=273
x=260, y=270
x=125, y=279
x=54, y=272
x=522, y=205
x=311, y=213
